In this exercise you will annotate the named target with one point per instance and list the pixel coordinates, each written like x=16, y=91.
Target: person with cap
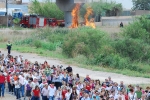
x=2, y=83
x=9, y=45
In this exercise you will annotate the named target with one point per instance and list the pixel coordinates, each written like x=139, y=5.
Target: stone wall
x=3, y=20
x=115, y=21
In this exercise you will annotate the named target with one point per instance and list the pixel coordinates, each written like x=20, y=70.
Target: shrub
x=37, y=43
x=49, y=46
x=85, y=41
x=139, y=29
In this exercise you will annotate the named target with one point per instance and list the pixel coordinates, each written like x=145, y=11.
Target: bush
x=49, y=46
x=139, y=29
x=37, y=43
x=85, y=41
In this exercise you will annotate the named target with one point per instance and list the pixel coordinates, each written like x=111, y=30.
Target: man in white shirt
x=86, y=97
x=35, y=83
x=22, y=83
x=52, y=91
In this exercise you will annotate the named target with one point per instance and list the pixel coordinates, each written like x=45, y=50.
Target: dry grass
x=12, y=35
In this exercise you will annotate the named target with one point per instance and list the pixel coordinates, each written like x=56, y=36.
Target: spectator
x=36, y=93
x=2, y=82
x=132, y=95
x=69, y=69
x=17, y=89
x=52, y=91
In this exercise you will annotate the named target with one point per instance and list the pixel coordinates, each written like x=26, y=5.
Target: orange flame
x=75, y=16
x=89, y=11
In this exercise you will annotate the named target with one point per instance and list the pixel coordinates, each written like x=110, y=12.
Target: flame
x=89, y=11
x=75, y=16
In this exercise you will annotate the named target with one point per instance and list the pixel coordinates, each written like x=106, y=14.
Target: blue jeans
x=36, y=98
x=2, y=89
x=22, y=90
x=17, y=90
x=51, y=98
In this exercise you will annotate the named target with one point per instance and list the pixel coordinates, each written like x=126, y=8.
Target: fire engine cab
x=33, y=21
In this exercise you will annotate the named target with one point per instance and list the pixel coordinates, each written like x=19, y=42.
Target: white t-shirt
x=132, y=97
x=21, y=80
x=45, y=92
x=17, y=85
x=51, y=91
x=67, y=95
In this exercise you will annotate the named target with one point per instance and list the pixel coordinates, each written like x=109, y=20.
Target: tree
x=141, y=4
x=46, y=9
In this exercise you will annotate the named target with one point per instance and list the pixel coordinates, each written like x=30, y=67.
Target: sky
x=127, y=4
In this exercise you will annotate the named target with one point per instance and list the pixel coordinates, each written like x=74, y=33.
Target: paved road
x=83, y=72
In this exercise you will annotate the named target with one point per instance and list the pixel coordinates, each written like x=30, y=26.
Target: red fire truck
x=34, y=21
x=54, y=22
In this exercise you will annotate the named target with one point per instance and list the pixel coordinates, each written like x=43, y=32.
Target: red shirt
x=64, y=93
x=2, y=79
x=88, y=87
x=36, y=93
x=8, y=78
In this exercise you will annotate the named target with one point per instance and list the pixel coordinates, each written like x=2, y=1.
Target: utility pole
x=7, y=13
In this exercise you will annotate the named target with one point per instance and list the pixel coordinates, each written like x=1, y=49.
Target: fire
x=89, y=11
x=75, y=16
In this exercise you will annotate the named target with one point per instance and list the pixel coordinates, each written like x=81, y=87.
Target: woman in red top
x=8, y=81
x=88, y=87
x=36, y=93
x=64, y=91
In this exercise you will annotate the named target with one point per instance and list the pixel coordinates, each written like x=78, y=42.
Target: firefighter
x=9, y=47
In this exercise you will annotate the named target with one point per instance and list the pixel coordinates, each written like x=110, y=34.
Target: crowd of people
x=36, y=81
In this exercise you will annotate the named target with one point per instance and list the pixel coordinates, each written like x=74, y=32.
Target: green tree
x=141, y=4
x=110, y=8
x=46, y=9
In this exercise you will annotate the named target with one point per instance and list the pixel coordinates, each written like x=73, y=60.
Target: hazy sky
x=126, y=3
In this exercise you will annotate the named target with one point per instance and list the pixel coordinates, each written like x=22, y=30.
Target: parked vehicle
x=14, y=12
x=53, y=22
x=35, y=21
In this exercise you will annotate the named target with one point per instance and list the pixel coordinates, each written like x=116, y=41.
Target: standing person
x=45, y=92
x=22, y=84
x=132, y=95
x=9, y=23
x=17, y=89
x=68, y=95
x=2, y=82
x=9, y=45
x=36, y=93
x=28, y=89
x=8, y=81
x=58, y=94
x=52, y=91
